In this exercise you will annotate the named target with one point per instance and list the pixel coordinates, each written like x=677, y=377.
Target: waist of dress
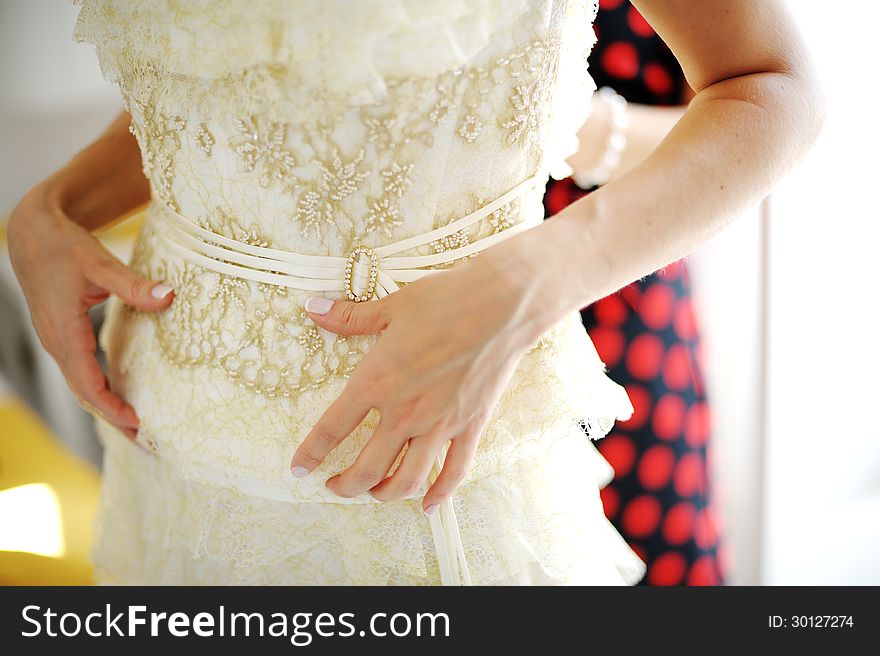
x=364, y=273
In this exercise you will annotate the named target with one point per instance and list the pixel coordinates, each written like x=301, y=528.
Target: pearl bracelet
x=614, y=146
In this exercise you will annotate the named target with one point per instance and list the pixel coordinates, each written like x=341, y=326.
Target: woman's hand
x=449, y=344
x=64, y=270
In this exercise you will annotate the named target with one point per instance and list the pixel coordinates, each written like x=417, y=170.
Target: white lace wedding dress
x=315, y=127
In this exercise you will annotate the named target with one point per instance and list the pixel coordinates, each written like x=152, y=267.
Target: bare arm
x=450, y=342
x=756, y=111
x=63, y=269
x=103, y=181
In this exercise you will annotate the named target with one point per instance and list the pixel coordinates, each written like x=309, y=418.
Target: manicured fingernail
x=318, y=304
x=430, y=509
x=299, y=471
x=161, y=290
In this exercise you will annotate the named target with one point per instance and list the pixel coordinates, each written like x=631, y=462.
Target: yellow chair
x=48, y=495
x=48, y=498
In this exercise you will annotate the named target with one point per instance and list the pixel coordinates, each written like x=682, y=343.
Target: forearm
x=738, y=137
x=102, y=182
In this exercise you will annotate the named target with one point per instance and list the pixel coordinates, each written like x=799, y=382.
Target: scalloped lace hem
x=539, y=521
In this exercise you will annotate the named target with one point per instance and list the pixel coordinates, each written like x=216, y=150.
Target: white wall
x=728, y=278
x=53, y=101
x=822, y=505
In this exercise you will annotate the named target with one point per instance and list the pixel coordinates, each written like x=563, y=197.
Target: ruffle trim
x=213, y=431
x=574, y=88
x=539, y=515
x=344, y=48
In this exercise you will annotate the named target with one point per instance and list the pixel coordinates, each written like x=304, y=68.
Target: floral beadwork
x=204, y=139
x=383, y=217
x=261, y=145
x=257, y=333
x=158, y=132
x=340, y=197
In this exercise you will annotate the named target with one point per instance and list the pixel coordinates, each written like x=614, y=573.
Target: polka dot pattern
x=657, y=79
x=678, y=523
x=668, y=569
x=655, y=467
x=621, y=60
x=644, y=356
x=696, y=426
x=637, y=24
x=648, y=337
x=610, y=501
x=688, y=475
x=641, y=516
x=609, y=343
x=667, y=418
x=641, y=401
x=657, y=304
x=619, y=451
x=677, y=367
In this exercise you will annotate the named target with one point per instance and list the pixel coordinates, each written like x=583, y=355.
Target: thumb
x=137, y=291
x=346, y=317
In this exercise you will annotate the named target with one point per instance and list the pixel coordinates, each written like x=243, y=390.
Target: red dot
x=655, y=467
x=641, y=516
x=610, y=501
x=702, y=572
x=677, y=371
x=611, y=310
x=684, y=322
x=638, y=24
x=631, y=294
x=620, y=60
x=667, y=569
x=696, y=424
x=559, y=195
x=705, y=535
x=688, y=475
x=655, y=308
x=657, y=79
x=678, y=525
x=641, y=402
x=619, y=451
x=644, y=355
x=671, y=272
x=609, y=344
x=668, y=417
x=610, y=4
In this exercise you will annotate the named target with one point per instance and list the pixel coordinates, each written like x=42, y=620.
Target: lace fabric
x=281, y=124
x=202, y=533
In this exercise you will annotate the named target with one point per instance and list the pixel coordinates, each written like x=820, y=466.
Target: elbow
x=796, y=101
x=819, y=109
x=788, y=94
x=807, y=101
x=803, y=94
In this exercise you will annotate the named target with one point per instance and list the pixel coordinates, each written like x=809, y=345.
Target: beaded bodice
x=321, y=126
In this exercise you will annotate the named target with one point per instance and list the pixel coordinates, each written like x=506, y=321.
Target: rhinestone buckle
x=371, y=278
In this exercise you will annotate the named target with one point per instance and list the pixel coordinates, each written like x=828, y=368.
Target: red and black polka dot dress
x=647, y=336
